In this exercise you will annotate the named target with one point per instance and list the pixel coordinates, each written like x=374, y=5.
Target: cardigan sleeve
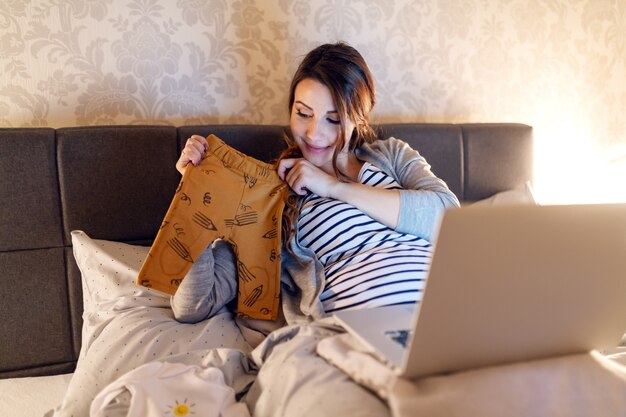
x=423, y=197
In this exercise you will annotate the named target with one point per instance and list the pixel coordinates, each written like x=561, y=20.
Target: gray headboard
x=116, y=182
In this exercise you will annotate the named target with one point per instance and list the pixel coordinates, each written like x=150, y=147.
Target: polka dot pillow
x=126, y=325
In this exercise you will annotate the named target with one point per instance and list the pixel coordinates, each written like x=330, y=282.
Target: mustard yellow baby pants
x=228, y=196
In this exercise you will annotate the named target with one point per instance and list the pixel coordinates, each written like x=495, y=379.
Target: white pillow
x=126, y=325
x=520, y=195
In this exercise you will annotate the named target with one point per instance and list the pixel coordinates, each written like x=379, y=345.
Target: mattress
x=33, y=396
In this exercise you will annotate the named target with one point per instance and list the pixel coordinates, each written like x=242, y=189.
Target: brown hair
x=342, y=69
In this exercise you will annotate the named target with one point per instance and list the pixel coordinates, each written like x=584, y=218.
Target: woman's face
x=315, y=124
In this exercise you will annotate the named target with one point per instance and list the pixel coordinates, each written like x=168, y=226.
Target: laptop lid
x=516, y=283
x=385, y=330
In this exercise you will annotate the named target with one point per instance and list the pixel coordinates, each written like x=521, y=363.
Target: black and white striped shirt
x=367, y=264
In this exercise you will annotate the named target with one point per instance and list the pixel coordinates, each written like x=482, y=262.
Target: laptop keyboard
x=399, y=336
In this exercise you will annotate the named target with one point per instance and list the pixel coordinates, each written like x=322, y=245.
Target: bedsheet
x=33, y=396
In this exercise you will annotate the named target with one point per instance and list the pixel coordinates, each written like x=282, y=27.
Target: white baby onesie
x=173, y=389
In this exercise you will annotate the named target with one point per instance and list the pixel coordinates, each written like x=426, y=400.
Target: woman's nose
x=313, y=131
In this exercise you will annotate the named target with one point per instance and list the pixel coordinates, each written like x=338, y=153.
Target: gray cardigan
x=423, y=199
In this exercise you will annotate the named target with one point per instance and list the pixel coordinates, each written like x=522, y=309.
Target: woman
x=356, y=234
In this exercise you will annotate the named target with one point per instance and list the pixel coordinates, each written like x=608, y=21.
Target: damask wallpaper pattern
x=559, y=65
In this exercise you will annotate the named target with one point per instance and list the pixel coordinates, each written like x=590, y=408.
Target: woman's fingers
x=299, y=174
x=289, y=170
x=285, y=165
x=194, y=149
x=193, y=152
x=296, y=181
x=199, y=142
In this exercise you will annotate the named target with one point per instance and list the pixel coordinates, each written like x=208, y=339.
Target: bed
x=80, y=207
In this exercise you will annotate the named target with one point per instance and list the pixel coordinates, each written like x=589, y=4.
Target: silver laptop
x=508, y=284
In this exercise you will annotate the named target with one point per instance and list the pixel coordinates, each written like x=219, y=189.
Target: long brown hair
x=342, y=69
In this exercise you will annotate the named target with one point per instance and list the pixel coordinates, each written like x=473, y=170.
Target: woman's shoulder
x=385, y=143
x=387, y=146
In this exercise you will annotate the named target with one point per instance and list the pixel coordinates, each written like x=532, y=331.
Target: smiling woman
x=361, y=211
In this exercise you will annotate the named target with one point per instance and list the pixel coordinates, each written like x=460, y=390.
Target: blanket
x=283, y=376
x=587, y=384
x=316, y=369
x=304, y=368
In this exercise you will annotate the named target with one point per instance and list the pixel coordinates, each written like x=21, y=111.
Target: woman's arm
x=378, y=203
x=423, y=197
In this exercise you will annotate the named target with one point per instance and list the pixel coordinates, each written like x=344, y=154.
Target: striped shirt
x=366, y=263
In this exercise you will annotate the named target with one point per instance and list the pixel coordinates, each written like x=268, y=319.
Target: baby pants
x=228, y=196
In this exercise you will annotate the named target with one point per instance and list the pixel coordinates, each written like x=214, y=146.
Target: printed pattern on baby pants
x=229, y=196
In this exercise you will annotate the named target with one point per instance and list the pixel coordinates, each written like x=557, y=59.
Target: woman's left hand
x=302, y=176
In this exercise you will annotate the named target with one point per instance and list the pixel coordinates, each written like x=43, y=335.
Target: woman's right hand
x=302, y=177
x=194, y=149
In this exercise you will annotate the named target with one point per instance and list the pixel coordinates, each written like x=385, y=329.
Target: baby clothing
x=168, y=389
x=228, y=196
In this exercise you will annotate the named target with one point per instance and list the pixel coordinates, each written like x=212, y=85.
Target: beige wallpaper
x=559, y=65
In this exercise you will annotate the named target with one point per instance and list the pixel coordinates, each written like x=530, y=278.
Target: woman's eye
x=333, y=121
x=299, y=113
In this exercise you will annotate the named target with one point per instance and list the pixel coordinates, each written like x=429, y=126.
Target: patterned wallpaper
x=559, y=65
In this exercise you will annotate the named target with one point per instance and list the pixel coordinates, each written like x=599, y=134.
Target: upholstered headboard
x=116, y=182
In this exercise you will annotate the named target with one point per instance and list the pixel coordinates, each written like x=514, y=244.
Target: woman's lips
x=316, y=149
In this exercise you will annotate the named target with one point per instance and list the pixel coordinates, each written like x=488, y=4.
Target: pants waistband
x=241, y=163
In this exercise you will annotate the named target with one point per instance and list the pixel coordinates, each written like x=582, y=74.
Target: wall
x=559, y=65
